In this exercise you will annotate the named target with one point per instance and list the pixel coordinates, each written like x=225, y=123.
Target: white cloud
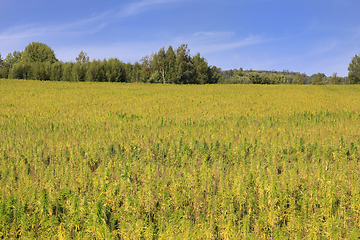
x=138, y=7
x=218, y=41
x=24, y=31
x=251, y=40
x=321, y=48
x=84, y=26
x=81, y=27
x=213, y=35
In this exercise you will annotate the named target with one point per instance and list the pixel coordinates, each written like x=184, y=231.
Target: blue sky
x=306, y=36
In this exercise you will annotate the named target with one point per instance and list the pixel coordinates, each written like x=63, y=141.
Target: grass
x=132, y=161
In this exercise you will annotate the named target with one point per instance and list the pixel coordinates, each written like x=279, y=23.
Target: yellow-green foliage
x=131, y=161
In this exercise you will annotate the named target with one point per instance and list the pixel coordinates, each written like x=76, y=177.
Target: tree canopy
x=354, y=70
x=319, y=79
x=82, y=58
x=38, y=52
x=335, y=79
x=167, y=66
x=298, y=79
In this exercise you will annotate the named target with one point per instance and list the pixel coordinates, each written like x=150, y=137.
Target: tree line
x=38, y=62
x=235, y=76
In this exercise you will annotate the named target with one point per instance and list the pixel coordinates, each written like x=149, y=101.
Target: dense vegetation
x=241, y=76
x=38, y=62
x=131, y=161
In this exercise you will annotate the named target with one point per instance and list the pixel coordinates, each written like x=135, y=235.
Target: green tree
x=78, y=72
x=171, y=67
x=115, y=71
x=146, y=63
x=36, y=71
x=12, y=58
x=38, y=52
x=183, y=63
x=56, y=71
x=319, y=79
x=201, y=69
x=238, y=79
x=277, y=79
x=354, y=70
x=335, y=79
x=3, y=70
x=47, y=67
x=1, y=61
x=155, y=77
x=19, y=71
x=92, y=72
x=298, y=79
x=138, y=74
x=215, y=75
x=82, y=58
x=147, y=60
x=165, y=63
x=102, y=72
x=67, y=72
x=128, y=71
x=258, y=78
x=8, y=62
x=95, y=71
x=160, y=63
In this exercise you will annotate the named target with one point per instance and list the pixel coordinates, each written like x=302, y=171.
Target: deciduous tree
x=38, y=52
x=215, y=75
x=3, y=70
x=171, y=65
x=335, y=79
x=12, y=58
x=67, y=72
x=82, y=58
x=184, y=65
x=160, y=63
x=201, y=75
x=298, y=79
x=277, y=79
x=115, y=71
x=1, y=61
x=56, y=71
x=319, y=79
x=354, y=70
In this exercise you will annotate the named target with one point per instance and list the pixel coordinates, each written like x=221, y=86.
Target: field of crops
x=132, y=161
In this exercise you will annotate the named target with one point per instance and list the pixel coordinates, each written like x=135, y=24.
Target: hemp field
x=138, y=161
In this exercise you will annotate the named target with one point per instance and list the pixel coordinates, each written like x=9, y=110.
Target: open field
x=131, y=161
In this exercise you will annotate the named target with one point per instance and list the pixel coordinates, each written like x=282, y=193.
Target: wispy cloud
x=81, y=27
x=213, y=35
x=323, y=48
x=24, y=31
x=218, y=41
x=84, y=26
x=138, y=7
x=251, y=40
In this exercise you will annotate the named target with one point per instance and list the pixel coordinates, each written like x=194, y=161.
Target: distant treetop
x=38, y=52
